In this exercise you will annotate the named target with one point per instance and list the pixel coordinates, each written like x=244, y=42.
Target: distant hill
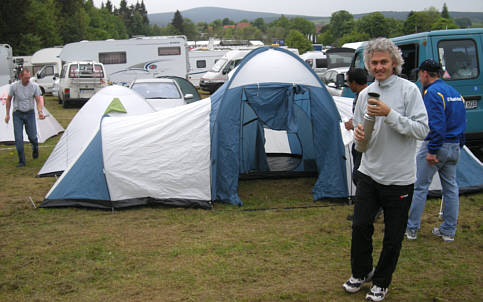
x=209, y=14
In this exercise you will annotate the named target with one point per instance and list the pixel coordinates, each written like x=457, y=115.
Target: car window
x=217, y=67
x=157, y=90
x=47, y=71
x=459, y=59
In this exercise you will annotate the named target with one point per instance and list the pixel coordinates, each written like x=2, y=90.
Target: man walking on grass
x=25, y=95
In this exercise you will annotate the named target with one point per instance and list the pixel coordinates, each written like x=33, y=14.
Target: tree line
x=30, y=25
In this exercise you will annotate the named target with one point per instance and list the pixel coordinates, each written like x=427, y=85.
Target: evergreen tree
x=177, y=22
x=444, y=12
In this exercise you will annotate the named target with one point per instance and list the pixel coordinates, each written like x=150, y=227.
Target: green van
x=460, y=52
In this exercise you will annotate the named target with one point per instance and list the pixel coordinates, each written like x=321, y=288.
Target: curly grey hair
x=386, y=45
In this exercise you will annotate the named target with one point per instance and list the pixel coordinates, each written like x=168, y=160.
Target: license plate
x=472, y=104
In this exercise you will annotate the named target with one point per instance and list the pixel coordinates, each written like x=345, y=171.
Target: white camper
x=46, y=66
x=317, y=60
x=218, y=74
x=127, y=60
x=6, y=64
x=202, y=60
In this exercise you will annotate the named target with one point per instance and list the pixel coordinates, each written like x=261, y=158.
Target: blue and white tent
x=193, y=155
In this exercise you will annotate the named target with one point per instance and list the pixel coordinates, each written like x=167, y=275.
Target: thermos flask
x=368, y=124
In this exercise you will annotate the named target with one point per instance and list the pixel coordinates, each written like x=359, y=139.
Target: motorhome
x=80, y=80
x=46, y=67
x=7, y=74
x=317, y=60
x=130, y=59
x=218, y=74
x=460, y=52
x=201, y=60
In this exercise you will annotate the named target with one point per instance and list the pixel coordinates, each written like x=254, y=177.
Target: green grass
x=290, y=249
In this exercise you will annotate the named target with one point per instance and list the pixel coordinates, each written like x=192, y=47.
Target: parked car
x=161, y=93
x=80, y=80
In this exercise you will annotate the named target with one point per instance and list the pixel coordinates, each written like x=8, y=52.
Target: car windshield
x=340, y=59
x=218, y=65
x=158, y=90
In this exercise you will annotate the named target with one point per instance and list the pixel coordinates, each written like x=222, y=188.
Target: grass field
x=279, y=246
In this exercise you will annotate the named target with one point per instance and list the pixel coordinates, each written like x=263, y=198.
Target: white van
x=127, y=60
x=317, y=60
x=218, y=75
x=46, y=66
x=202, y=60
x=80, y=80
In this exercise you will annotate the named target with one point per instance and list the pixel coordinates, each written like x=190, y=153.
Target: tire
x=65, y=104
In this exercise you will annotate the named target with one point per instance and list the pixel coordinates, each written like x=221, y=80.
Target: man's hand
x=359, y=132
x=348, y=125
x=431, y=159
x=7, y=118
x=377, y=107
x=41, y=115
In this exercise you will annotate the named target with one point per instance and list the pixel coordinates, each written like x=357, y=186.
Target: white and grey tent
x=112, y=101
x=193, y=155
x=46, y=128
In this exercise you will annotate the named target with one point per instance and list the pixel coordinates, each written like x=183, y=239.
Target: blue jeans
x=19, y=120
x=448, y=157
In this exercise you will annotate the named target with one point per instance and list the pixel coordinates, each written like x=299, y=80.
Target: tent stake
x=33, y=203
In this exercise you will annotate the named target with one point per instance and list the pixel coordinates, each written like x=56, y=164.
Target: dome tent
x=192, y=155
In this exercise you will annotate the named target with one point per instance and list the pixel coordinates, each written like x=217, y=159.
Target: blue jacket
x=446, y=113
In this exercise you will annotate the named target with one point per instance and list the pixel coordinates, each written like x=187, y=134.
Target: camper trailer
x=46, y=67
x=201, y=60
x=140, y=57
x=218, y=74
x=6, y=64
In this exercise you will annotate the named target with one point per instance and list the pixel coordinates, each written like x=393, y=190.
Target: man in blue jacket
x=439, y=152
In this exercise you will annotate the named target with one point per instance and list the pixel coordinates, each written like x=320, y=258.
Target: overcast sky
x=321, y=8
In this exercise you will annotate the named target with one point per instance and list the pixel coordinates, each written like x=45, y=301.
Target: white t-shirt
x=23, y=97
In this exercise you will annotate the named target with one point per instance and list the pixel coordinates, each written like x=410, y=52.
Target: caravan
x=140, y=57
x=46, y=66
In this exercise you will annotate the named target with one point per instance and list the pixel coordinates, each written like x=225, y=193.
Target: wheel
x=65, y=104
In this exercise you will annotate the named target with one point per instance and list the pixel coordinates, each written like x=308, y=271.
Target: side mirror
x=340, y=80
x=226, y=69
x=188, y=96
x=56, y=75
x=39, y=76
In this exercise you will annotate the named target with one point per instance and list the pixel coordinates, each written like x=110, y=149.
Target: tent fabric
x=46, y=128
x=172, y=158
x=86, y=123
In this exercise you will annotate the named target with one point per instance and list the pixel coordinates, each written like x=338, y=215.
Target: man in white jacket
x=388, y=169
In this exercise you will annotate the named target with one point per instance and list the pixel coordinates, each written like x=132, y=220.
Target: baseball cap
x=430, y=66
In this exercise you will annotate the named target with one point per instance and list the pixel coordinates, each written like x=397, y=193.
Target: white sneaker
x=376, y=293
x=353, y=285
x=438, y=233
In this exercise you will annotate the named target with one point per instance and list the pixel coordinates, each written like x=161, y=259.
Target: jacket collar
x=387, y=82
